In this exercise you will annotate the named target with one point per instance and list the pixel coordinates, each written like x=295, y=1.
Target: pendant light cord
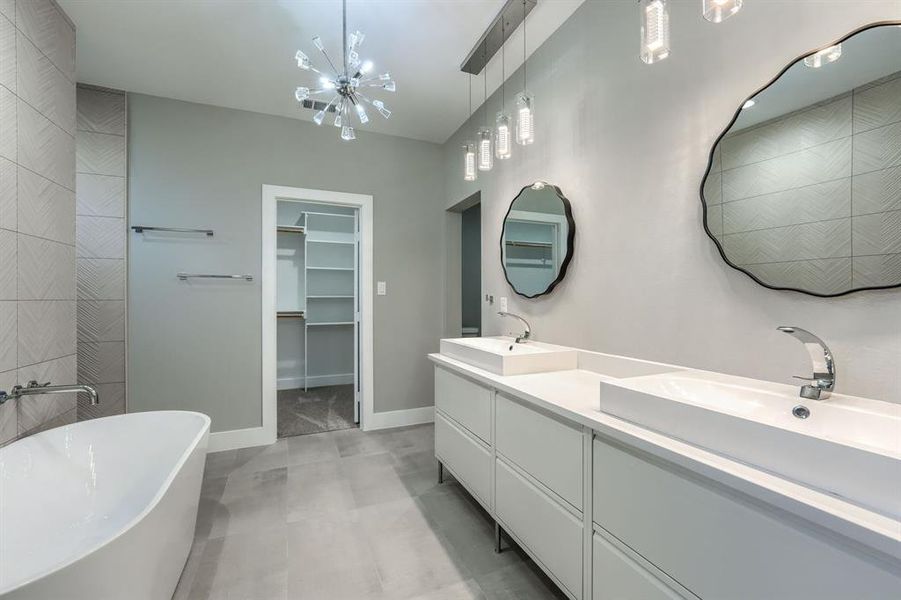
x=485, y=85
x=503, y=63
x=344, y=33
x=524, y=45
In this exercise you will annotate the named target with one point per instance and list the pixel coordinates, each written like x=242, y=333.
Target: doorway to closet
x=318, y=254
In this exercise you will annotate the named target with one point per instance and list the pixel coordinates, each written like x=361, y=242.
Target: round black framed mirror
x=537, y=239
x=803, y=188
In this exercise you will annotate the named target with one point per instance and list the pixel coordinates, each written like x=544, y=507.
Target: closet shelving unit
x=530, y=244
x=323, y=298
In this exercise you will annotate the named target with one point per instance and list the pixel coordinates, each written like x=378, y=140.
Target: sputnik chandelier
x=343, y=83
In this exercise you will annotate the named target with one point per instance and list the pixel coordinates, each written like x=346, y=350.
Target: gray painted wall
x=628, y=144
x=37, y=212
x=198, y=165
x=101, y=160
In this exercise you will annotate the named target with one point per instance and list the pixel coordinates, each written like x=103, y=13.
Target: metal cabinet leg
x=498, y=532
x=440, y=473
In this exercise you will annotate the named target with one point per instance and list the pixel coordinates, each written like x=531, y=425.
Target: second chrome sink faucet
x=822, y=383
x=527, y=332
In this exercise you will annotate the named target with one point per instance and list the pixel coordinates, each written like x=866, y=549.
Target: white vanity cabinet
x=607, y=521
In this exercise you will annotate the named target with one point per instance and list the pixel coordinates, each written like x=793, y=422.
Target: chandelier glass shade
x=344, y=85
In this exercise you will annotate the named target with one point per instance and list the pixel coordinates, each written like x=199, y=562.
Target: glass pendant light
x=525, y=102
x=717, y=11
x=469, y=162
x=486, y=156
x=654, y=30
x=470, y=172
x=824, y=57
x=503, y=134
x=483, y=136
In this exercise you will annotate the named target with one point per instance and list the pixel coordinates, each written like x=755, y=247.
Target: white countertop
x=574, y=395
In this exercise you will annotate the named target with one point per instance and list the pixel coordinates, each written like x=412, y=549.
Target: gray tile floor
x=347, y=515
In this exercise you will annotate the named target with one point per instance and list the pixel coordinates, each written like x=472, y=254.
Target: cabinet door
x=464, y=401
x=721, y=544
x=542, y=446
x=467, y=458
x=542, y=524
x=616, y=576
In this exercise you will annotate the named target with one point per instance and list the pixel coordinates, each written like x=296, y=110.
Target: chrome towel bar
x=143, y=228
x=186, y=276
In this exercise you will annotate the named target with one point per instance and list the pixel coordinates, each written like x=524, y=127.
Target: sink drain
x=800, y=411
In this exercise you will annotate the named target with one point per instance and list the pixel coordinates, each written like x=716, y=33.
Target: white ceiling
x=240, y=53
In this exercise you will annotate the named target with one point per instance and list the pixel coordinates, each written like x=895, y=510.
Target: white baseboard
x=293, y=383
x=240, y=438
x=399, y=418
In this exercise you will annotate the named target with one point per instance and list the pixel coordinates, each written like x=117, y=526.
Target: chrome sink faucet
x=526, y=334
x=822, y=383
x=34, y=388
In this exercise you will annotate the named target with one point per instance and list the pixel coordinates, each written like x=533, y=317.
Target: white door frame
x=363, y=202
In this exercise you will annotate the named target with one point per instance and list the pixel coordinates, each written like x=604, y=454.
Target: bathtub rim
x=154, y=502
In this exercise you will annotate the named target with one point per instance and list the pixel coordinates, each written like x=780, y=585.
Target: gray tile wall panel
x=37, y=213
x=795, y=191
x=101, y=241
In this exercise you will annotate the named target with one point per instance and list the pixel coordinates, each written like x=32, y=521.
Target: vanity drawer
x=467, y=458
x=545, y=448
x=618, y=576
x=719, y=543
x=542, y=524
x=464, y=401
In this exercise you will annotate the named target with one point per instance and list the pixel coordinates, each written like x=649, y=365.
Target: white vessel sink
x=848, y=447
x=502, y=356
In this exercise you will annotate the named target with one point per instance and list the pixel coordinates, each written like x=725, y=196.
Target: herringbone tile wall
x=100, y=244
x=812, y=199
x=37, y=212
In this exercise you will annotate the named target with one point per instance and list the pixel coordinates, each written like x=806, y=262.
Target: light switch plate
x=503, y=304
x=381, y=288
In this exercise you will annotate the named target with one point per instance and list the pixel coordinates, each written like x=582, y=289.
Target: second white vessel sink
x=502, y=356
x=846, y=446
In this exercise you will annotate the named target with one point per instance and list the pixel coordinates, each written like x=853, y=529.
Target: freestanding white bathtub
x=102, y=509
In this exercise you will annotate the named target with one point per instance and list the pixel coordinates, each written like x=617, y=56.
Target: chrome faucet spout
x=527, y=329
x=33, y=388
x=822, y=383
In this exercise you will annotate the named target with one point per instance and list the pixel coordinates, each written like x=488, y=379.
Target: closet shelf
x=309, y=268
x=327, y=297
x=330, y=324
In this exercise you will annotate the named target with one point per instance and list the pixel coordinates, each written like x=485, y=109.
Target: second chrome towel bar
x=186, y=276
x=143, y=228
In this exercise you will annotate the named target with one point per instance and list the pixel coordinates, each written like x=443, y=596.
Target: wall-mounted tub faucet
x=34, y=388
x=526, y=334
x=822, y=383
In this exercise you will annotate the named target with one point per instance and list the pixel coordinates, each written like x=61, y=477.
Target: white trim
x=400, y=418
x=291, y=383
x=238, y=438
x=271, y=193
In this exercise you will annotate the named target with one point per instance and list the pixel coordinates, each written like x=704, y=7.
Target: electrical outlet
x=503, y=304
x=381, y=288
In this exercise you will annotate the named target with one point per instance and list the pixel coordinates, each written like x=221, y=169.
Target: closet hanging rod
x=186, y=276
x=143, y=228
x=529, y=244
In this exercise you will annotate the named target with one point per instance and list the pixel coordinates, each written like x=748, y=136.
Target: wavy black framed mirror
x=803, y=189
x=537, y=240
